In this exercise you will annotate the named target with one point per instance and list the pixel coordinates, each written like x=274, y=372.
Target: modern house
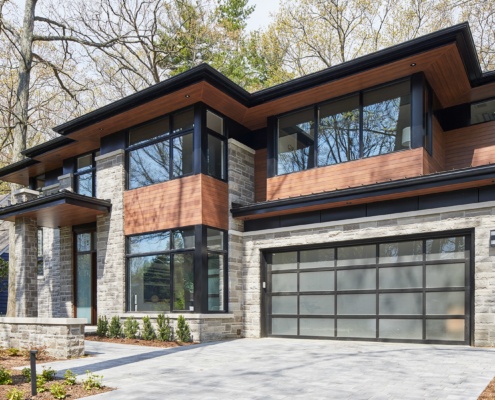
x=357, y=202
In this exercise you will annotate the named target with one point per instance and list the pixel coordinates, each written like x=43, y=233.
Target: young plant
x=115, y=328
x=48, y=374
x=131, y=328
x=15, y=394
x=102, y=326
x=40, y=384
x=70, y=378
x=13, y=351
x=148, y=331
x=165, y=332
x=58, y=391
x=92, y=381
x=5, y=377
x=183, y=330
x=26, y=373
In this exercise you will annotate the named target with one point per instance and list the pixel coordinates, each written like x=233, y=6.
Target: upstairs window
x=85, y=175
x=483, y=111
x=216, y=153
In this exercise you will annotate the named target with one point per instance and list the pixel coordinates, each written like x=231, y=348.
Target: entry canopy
x=60, y=209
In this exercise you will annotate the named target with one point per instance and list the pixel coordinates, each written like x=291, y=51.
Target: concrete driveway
x=288, y=369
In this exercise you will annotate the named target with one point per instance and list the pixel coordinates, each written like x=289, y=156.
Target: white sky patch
x=260, y=18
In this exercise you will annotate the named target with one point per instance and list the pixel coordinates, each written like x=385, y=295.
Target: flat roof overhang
x=417, y=186
x=60, y=209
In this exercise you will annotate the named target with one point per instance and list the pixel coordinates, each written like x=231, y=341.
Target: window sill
x=175, y=315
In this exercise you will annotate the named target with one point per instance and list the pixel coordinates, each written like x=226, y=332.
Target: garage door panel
x=445, y=275
x=356, y=304
x=411, y=329
x=316, y=304
x=401, y=303
x=284, y=305
x=284, y=326
x=356, y=328
x=445, y=303
x=320, y=258
x=401, y=277
x=284, y=282
x=316, y=281
x=319, y=327
x=400, y=252
x=445, y=329
x=356, y=279
x=356, y=255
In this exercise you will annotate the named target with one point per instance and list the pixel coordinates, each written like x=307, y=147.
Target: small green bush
x=165, y=332
x=5, y=377
x=48, y=374
x=102, y=326
x=148, y=331
x=15, y=394
x=183, y=330
x=131, y=328
x=92, y=381
x=14, y=352
x=26, y=373
x=58, y=391
x=70, y=378
x=115, y=328
x=40, y=384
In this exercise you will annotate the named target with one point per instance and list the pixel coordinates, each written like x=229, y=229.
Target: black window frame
x=90, y=171
x=222, y=137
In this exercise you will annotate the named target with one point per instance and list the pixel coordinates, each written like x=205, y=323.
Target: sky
x=260, y=17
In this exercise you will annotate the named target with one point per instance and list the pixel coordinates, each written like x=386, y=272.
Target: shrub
x=115, y=328
x=14, y=352
x=48, y=374
x=15, y=394
x=70, y=378
x=40, y=384
x=5, y=377
x=26, y=373
x=58, y=391
x=183, y=330
x=131, y=328
x=102, y=326
x=148, y=331
x=92, y=381
x=165, y=332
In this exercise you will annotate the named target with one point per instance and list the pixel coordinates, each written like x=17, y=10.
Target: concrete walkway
x=288, y=369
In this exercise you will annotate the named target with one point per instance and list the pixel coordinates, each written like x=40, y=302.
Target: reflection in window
x=149, y=243
x=85, y=174
x=216, y=157
x=184, y=282
x=182, y=155
x=149, y=165
x=401, y=252
x=445, y=248
x=215, y=282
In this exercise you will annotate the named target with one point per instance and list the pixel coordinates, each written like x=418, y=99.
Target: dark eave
x=47, y=146
x=397, y=187
x=19, y=165
x=60, y=209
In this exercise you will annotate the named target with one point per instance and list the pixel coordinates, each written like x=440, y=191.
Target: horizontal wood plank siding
x=399, y=165
x=260, y=175
x=215, y=202
x=470, y=146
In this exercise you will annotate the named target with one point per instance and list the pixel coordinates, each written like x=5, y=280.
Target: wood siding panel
x=470, y=146
x=403, y=164
x=215, y=202
x=260, y=175
x=435, y=162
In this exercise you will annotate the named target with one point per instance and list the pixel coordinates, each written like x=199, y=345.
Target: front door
x=85, y=276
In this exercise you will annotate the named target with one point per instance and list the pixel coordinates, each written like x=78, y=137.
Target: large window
x=216, y=269
x=85, y=174
x=216, y=152
x=161, y=150
x=366, y=124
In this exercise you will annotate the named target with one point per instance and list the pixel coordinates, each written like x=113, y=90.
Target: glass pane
x=214, y=239
x=401, y=303
x=184, y=120
x=356, y=304
x=215, y=282
x=83, y=284
x=84, y=184
x=149, y=131
x=338, y=132
x=445, y=248
x=284, y=282
x=149, y=283
x=183, y=238
x=356, y=279
x=316, y=327
x=316, y=304
x=356, y=328
x=284, y=305
x=281, y=261
x=401, y=329
x=445, y=303
x=284, y=326
x=149, y=165
x=39, y=267
x=184, y=282
x=149, y=243
x=216, y=157
x=445, y=275
x=386, y=119
x=214, y=122
x=295, y=142
x=321, y=258
x=401, y=252
x=401, y=277
x=40, y=242
x=83, y=242
x=84, y=162
x=445, y=329
x=483, y=112
x=316, y=281
x=182, y=155
x=356, y=255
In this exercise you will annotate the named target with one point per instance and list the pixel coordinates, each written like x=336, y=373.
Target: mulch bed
x=489, y=392
x=137, y=342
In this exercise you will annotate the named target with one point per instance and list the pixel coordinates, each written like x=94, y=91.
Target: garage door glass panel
x=356, y=328
x=282, y=261
x=401, y=252
x=316, y=327
x=316, y=304
x=356, y=255
x=356, y=304
x=284, y=326
x=284, y=282
x=445, y=303
x=322, y=258
x=445, y=248
x=316, y=281
x=401, y=329
x=401, y=277
x=445, y=275
x=356, y=279
x=445, y=329
x=284, y=305
x=401, y=304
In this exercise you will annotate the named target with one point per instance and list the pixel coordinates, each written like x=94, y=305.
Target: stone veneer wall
x=49, y=284
x=66, y=273
x=479, y=217
x=63, y=338
x=110, y=247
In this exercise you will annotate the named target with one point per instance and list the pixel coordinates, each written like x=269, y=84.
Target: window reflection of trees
x=380, y=127
x=149, y=165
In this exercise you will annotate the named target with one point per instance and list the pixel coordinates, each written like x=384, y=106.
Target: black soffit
x=379, y=189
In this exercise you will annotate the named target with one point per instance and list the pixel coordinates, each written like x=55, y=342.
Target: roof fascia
x=18, y=166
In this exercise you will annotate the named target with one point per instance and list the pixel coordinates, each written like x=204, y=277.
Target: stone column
x=66, y=273
x=110, y=247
